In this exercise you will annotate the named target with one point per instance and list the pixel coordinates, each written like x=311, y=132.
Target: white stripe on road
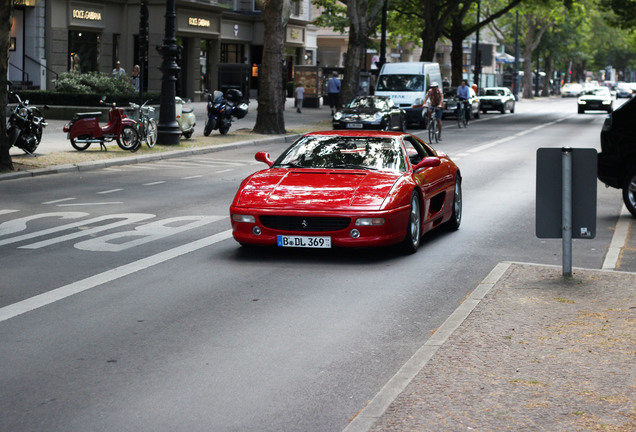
x=58, y=201
x=7, y=211
x=55, y=295
x=110, y=191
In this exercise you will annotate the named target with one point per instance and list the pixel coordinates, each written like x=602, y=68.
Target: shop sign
x=295, y=34
x=24, y=3
x=198, y=22
x=86, y=15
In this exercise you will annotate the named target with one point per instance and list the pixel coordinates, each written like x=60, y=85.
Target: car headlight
x=607, y=102
x=369, y=221
x=582, y=102
x=337, y=116
x=243, y=218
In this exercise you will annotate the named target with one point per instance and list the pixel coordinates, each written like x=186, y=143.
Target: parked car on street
x=497, y=98
x=348, y=189
x=598, y=98
x=571, y=90
x=617, y=160
x=370, y=112
x=451, y=100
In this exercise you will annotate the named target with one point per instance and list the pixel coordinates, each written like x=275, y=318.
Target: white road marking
x=89, y=204
x=110, y=191
x=153, y=183
x=223, y=171
x=57, y=294
x=59, y=201
x=7, y=211
x=191, y=177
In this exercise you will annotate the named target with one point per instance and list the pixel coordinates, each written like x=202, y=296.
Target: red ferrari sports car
x=348, y=189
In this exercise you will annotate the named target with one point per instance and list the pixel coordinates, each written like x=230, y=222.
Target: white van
x=407, y=84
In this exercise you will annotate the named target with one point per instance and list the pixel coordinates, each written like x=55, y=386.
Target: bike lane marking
x=63, y=292
x=619, y=240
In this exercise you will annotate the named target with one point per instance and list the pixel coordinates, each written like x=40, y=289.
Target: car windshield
x=344, y=152
x=368, y=102
x=601, y=91
x=400, y=83
x=494, y=92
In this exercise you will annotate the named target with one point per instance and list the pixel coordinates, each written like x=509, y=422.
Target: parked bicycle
x=146, y=124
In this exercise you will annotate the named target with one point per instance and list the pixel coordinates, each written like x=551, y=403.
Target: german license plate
x=354, y=125
x=304, y=241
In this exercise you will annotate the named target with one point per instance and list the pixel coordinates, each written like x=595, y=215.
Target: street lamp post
x=477, y=50
x=168, y=132
x=515, y=73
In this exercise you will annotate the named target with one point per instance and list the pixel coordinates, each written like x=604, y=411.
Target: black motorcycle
x=25, y=125
x=222, y=109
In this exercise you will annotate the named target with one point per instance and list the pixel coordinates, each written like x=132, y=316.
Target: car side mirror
x=427, y=162
x=264, y=157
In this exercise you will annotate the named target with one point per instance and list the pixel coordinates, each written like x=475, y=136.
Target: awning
x=503, y=57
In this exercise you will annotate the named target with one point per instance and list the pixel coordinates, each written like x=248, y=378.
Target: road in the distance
x=172, y=326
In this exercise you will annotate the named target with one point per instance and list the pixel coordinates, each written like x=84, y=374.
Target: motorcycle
x=25, y=125
x=221, y=109
x=84, y=129
x=185, y=117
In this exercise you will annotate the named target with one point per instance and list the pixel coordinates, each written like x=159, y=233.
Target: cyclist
x=463, y=94
x=436, y=98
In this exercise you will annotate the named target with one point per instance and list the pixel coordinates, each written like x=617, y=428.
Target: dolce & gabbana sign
x=84, y=14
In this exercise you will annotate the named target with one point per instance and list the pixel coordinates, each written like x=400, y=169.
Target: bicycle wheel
x=432, y=129
x=151, y=132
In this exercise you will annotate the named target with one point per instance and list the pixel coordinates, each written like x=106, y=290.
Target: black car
x=371, y=112
x=598, y=98
x=450, y=103
x=617, y=160
x=497, y=98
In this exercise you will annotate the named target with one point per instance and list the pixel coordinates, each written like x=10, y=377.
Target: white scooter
x=185, y=117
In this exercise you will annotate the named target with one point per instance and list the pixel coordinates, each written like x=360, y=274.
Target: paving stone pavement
x=540, y=352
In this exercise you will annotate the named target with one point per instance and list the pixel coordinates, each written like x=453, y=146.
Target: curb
x=106, y=163
x=367, y=417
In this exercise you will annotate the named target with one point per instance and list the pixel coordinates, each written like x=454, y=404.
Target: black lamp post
x=383, y=35
x=515, y=73
x=168, y=132
x=477, y=50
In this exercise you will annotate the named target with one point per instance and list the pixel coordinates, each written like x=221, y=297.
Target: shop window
x=232, y=53
x=84, y=51
x=116, y=39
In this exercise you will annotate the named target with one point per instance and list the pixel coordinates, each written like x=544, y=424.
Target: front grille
x=299, y=223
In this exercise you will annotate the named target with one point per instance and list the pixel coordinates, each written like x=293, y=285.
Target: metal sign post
x=566, y=205
x=566, y=197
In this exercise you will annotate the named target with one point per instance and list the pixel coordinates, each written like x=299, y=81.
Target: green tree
x=624, y=12
x=271, y=97
x=6, y=11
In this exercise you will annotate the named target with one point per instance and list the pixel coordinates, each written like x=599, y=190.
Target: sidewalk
x=527, y=351
x=55, y=153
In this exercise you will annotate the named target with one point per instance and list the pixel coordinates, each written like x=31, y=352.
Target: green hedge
x=73, y=89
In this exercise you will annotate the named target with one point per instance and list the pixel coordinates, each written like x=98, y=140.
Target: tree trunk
x=457, y=58
x=357, y=11
x=6, y=11
x=271, y=96
x=548, y=73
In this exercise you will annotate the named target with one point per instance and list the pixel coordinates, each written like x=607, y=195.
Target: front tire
x=414, y=228
x=151, y=133
x=209, y=126
x=629, y=192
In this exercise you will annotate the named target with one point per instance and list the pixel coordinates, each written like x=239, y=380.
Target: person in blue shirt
x=463, y=94
x=333, y=91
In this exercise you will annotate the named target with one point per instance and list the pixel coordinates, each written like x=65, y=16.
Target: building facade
x=55, y=36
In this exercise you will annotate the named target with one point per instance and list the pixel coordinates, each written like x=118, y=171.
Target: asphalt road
x=125, y=305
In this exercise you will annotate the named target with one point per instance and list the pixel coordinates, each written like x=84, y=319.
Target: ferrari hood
x=317, y=189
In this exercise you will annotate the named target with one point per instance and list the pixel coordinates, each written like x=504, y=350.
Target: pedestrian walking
x=119, y=72
x=300, y=92
x=134, y=79
x=333, y=91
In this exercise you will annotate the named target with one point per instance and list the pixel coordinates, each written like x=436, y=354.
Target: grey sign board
x=549, y=193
